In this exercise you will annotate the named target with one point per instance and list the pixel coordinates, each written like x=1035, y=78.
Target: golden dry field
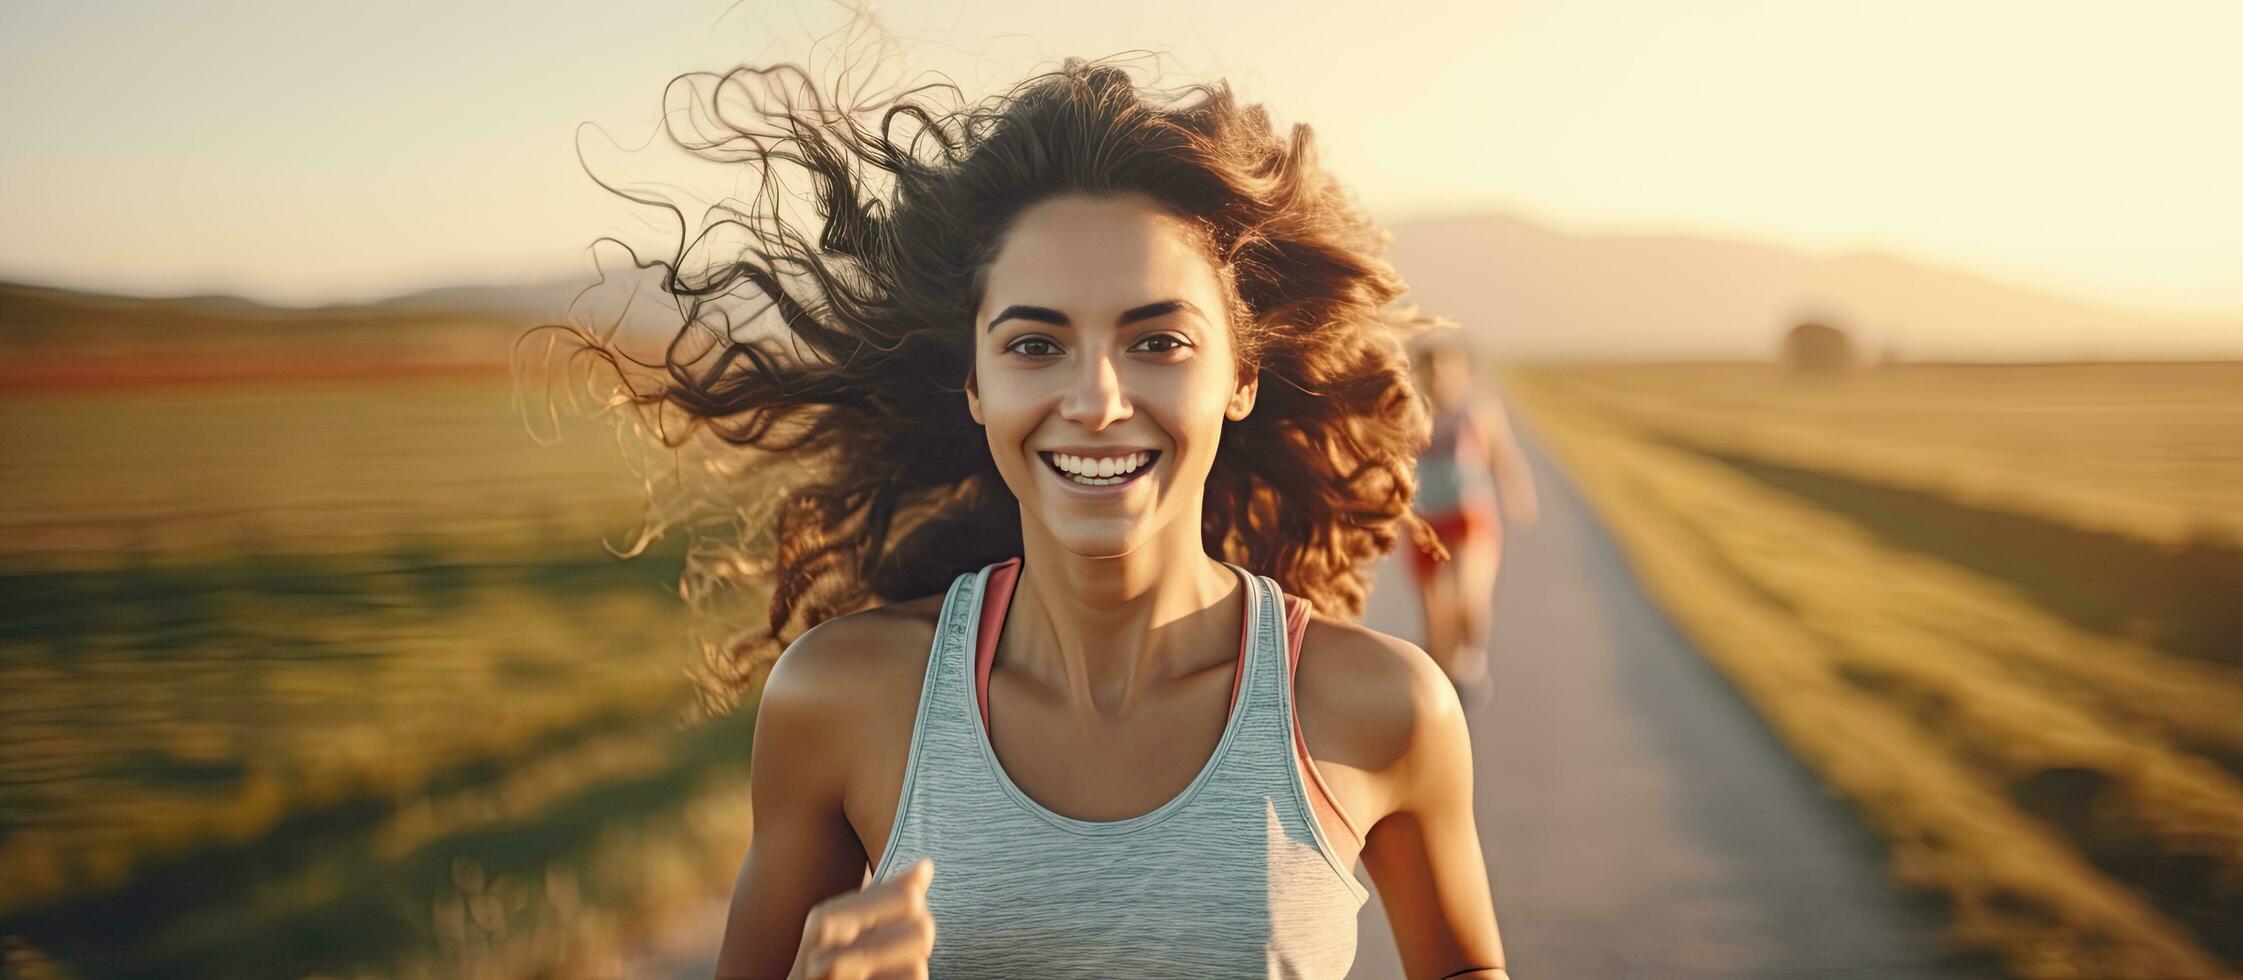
x=1995, y=607
x=2149, y=451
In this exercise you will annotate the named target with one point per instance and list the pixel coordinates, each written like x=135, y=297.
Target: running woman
x=1088, y=419
x=1472, y=454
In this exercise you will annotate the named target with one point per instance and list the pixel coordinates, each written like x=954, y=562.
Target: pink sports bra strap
x=1004, y=576
x=1297, y=610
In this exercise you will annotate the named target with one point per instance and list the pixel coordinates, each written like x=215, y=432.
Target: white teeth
x=1106, y=471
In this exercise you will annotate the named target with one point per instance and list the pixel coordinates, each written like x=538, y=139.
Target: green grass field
x=337, y=677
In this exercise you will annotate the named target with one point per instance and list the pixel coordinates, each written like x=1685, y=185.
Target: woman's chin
x=1097, y=537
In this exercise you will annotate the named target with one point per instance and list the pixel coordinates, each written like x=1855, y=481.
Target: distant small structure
x=1819, y=349
x=1891, y=352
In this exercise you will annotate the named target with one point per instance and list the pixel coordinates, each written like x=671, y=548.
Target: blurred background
x=1893, y=353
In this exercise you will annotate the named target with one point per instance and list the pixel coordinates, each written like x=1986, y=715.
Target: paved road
x=1637, y=818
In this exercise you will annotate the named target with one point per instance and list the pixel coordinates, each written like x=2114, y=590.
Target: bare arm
x=1425, y=853
x=803, y=849
x=1507, y=465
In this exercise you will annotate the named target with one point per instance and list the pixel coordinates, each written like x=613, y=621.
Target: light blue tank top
x=1452, y=473
x=1233, y=877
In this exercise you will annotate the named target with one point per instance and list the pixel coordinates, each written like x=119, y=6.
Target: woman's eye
x=1043, y=347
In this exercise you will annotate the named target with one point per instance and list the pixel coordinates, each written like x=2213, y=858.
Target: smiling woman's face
x=1103, y=371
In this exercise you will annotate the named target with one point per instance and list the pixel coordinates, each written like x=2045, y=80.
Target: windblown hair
x=884, y=488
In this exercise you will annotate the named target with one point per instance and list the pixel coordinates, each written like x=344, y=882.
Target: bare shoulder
x=1491, y=419
x=858, y=662
x=822, y=712
x=1375, y=703
x=837, y=692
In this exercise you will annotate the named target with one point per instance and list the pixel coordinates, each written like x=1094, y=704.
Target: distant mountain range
x=49, y=316
x=1522, y=290
x=1529, y=292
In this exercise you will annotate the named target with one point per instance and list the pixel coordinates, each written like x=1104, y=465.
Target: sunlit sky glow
x=303, y=152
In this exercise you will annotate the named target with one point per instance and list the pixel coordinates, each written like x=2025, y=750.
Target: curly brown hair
x=890, y=489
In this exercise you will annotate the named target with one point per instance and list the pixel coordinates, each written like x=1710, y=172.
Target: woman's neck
x=1106, y=633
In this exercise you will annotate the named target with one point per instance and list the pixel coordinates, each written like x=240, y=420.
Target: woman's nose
x=1094, y=397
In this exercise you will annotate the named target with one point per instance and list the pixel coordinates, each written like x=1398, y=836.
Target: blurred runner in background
x=1472, y=454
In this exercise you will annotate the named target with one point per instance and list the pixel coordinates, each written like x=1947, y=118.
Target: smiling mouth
x=1051, y=460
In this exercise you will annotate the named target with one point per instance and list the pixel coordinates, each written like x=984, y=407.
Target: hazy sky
x=306, y=151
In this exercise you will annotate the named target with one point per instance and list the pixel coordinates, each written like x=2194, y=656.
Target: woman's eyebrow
x=1162, y=308
x=1045, y=314
x=1040, y=314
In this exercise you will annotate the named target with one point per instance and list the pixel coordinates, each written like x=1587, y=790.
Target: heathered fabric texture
x=1231, y=878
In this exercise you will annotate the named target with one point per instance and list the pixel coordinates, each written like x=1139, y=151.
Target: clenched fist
x=883, y=932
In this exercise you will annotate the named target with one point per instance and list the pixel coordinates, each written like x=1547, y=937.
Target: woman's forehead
x=1096, y=258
